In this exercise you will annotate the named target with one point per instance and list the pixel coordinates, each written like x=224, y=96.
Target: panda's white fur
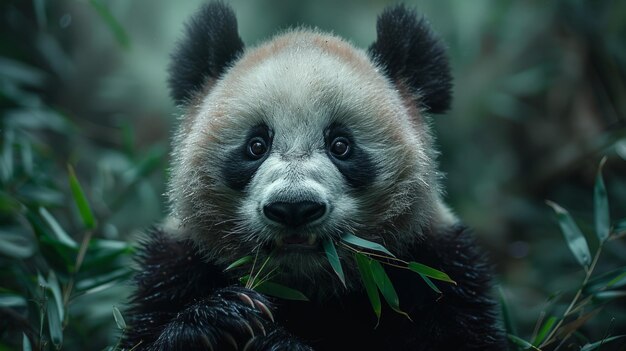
x=298, y=84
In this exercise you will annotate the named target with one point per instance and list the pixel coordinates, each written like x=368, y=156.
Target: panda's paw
x=277, y=340
x=233, y=318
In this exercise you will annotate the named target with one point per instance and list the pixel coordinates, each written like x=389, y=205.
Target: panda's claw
x=207, y=342
x=248, y=345
x=230, y=339
x=245, y=299
x=259, y=325
x=263, y=308
x=249, y=328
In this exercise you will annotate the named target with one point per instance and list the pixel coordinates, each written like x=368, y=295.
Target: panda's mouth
x=297, y=242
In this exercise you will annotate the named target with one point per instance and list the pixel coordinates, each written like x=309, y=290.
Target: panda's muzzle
x=294, y=214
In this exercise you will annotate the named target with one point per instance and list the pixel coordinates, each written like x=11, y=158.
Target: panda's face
x=298, y=145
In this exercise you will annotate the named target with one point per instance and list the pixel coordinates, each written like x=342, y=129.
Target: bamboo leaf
x=430, y=283
x=12, y=300
x=430, y=272
x=26, y=346
x=355, y=240
x=601, y=206
x=363, y=263
x=6, y=159
x=597, y=344
x=280, y=291
x=54, y=323
x=93, y=282
x=116, y=28
x=574, y=237
x=620, y=226
x=520, y=342
x=81, y=200
x=55, y=288
x=509, y=326
x=119, y=319
x=60, y=234
x=609, y=295
x=386, y=287
x=333, y=259
x=545, y=329
x=16, y=245
x=612, y=279
x=239, y=262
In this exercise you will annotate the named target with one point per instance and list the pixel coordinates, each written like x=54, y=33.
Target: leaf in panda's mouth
x=373, y=275
x=333, y=259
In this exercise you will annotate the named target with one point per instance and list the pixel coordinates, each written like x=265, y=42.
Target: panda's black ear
x=211, y=43
x=412, y=56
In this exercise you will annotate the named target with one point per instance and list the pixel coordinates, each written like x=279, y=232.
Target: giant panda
x=290, y=143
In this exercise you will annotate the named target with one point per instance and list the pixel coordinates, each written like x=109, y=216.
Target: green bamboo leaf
x=612, y=279
x=88, y=284
x=54, y=323
x=116, y=28
x=60, y=234
x=81, y=200
x=55, y=288
x=617, y=282
x=26, y=152
x=620, y=226
x=333, y=259
x=429, y=272
x=103, y=253
x=574, y=237
x=355, y=240
x=119, y=319
x=6, y=159
x=597, y=344
x=601, y=206
x=386, y=287
x=280, y=291
x=16, y=245
x=26, y=346
x=363, y=263
x=430, y=283
x=239, y=262
x=40, y=13
x=520, y=342
x=509, y=326
x=12, y=300
x=609, y=295
x=545, y=329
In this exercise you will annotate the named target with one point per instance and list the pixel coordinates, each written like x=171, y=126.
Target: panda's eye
x=340, y=147
x=257, y=147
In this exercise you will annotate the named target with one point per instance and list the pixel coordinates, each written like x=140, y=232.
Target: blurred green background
x=540, y=98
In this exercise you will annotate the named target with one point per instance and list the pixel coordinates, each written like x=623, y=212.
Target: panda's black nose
x=293, y=214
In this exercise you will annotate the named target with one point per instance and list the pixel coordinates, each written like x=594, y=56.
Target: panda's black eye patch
x=348, y=156
x=242, y=162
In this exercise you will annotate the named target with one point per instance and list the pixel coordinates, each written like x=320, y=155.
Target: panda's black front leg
x=231, y=318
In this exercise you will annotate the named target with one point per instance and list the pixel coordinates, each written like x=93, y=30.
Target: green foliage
x=63, y=200
x=539, y=93
x=592, y=294
x=333, y=259
x=363, y=263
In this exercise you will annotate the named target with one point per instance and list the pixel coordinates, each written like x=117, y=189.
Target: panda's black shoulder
x=176, y=267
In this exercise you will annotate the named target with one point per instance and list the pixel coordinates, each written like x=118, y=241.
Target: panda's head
x=304, y=138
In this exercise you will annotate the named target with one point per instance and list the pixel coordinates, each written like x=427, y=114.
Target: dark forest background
x=86, y=120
